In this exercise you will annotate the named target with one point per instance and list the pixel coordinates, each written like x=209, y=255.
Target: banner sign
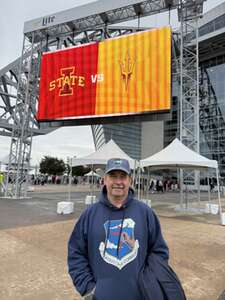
x=127, y=75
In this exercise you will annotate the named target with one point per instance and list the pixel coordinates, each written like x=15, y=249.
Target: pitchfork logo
x=120, y=246
x=127, y=68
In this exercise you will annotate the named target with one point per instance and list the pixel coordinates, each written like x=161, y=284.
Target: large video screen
x=122, y=76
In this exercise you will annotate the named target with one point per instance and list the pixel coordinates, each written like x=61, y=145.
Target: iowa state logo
x=120, y=246
x=67, y=81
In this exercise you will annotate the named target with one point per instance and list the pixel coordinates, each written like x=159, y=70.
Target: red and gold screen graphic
x=119, y=76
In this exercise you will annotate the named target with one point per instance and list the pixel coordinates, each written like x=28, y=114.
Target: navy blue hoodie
x=109, y=246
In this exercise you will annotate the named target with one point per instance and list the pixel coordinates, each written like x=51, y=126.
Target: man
x=113, y=239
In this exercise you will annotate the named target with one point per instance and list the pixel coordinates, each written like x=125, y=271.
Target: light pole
x=69, y=163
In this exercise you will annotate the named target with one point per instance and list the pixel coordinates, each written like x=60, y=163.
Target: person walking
x=110, y=244
x=1, y=182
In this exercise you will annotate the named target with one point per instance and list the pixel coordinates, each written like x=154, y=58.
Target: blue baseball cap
x=117, y=164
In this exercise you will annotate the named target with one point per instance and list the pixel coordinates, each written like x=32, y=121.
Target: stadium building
x=96, y=22
x=142, y=139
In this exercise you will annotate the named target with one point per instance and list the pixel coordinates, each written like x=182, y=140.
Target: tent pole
x=70, y=179
x=134, y=174
x=198, y=182
x=181, y=190
x=209, y=192
x=218, y=191
x=139, y=181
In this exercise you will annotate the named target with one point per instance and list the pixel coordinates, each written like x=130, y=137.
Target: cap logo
x=118, y=162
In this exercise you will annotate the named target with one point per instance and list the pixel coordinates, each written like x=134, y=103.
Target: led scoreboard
x=124, y=76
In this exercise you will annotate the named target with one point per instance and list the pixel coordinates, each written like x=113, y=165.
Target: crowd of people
x=61, y=179
x=158, y=185
x=151, y=186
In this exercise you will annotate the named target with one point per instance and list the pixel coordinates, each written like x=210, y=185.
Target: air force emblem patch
x=120, y=247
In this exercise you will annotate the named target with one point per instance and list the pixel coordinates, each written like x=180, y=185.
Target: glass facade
x=99, y=136
x=126, y=135
x=171, y=127
x=212, y=110
x=212, y=26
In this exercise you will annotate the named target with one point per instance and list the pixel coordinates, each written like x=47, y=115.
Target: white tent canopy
x=102, y=155
x=91, y=173
x=5, y=159
x=3, y=168
x=177, y=155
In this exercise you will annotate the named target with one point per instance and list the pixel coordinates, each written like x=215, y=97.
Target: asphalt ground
x=33, y=239
x=38, y=208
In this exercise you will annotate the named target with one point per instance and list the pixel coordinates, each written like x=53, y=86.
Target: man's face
x=117, y=185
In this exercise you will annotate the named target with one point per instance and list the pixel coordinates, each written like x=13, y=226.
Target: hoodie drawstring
x=108, y=233
x=121, y=229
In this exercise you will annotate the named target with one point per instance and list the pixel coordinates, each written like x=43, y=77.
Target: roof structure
x=177, y=155
x=102, y=155
x=91, y=174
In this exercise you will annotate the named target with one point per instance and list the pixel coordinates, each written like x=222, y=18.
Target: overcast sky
x=67, y=141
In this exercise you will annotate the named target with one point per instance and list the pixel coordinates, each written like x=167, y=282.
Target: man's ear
x=104, y=177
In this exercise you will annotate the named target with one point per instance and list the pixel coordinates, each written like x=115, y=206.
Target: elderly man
x=112, y=240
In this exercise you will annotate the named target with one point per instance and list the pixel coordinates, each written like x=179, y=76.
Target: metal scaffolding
x=189, y=14
x=91, y=22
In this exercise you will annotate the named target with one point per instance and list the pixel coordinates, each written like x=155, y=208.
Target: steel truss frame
x=189, y=90
x=22, y=131
x=93, y=27
x=24, y=108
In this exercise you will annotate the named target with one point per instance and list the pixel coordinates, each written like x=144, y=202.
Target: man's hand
x=89, y=296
